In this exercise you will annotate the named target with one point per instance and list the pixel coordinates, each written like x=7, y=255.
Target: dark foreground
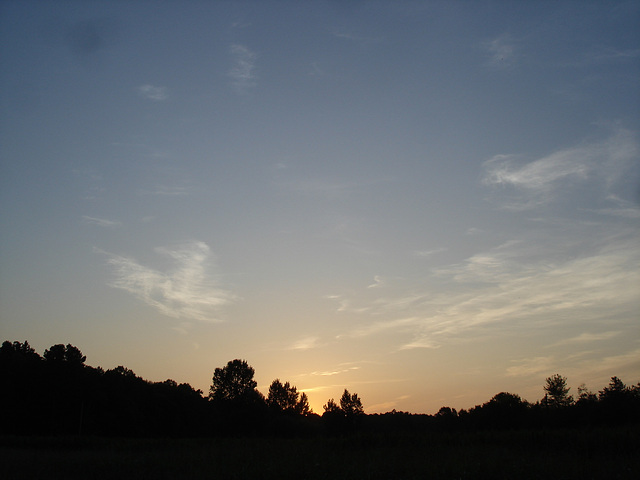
x=562, y=454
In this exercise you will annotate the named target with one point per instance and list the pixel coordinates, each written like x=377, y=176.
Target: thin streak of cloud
x=375, y=328
x=632, y=212
x=187, y=292
x=620, y=208
x=101, y=222
x=532, y=366
x=584, y=288
x=169, y=191
x=151, y=92
x=242, y=73
x=361, y=40
x=429, y=253
x=615, y=363
x=540, y=181
x=305, y=343
x=582, y=361
x=503, y=286
x=539, y=174
x=605, y=55
x=587, y=337
x=331, y=373
x=344, y=305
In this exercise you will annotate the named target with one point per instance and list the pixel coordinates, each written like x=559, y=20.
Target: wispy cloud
x=532, y=366
x=592, y=362
x=619, y=208
x=512, y=285
x=406, y=324
x=537, y=182
x=429, y=253
x=377, y=282
x=151, y=92
x=344, y=304
x=502, y=290
x=169, y=191
x=539, y=175
x=605, y=55
x=359, y=39
x=305, y=343
x=615, y=363
x=242, y=72
x=501, y=51
x=101, y=222
x=587, y=337
x=187, y=291
x=330, y=373
x=553, y=272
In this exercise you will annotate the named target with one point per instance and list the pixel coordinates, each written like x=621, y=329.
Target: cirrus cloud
x=187, y=291
x=537, y=182
x=151, y=92
x=242, y=73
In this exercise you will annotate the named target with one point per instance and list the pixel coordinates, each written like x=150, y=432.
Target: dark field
x=557, y=454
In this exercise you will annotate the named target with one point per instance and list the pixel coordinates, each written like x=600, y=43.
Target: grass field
x=558, y=454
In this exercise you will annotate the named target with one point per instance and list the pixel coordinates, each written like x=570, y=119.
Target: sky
x=426, y=203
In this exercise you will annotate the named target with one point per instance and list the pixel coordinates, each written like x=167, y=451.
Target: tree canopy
x=59, y=394
x=557, y=392
x=285, y=398
x=234, y=383
x=68, y=354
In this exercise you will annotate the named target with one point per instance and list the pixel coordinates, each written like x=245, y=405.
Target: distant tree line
x=58, y=394
x=616, y=404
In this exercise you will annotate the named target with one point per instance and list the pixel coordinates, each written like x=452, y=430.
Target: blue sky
x=424, y=202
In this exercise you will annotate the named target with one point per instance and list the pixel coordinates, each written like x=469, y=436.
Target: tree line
x=59, y=394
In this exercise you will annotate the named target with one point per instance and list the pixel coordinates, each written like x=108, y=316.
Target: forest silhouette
x=58, y=394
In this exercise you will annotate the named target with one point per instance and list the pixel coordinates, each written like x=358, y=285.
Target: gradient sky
x=426, y=203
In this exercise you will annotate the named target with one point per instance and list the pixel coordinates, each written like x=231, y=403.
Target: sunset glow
x=426, y=203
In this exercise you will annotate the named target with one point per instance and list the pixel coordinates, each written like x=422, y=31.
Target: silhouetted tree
x=286, y=399
x=504, y=410
x=55, y=354
x=237, y=406
x=446, y=418
x=282, y=398
x=121, y=371
x=303, y=407
x=333, y=417
x=58, y=394
x=447, y=412
x=10, y=351
x=331, y=406
x=586, y=395
x=21, y=388
x=557, y=392
x=69, y=355
x=234, y=383
x=340, y=419
x=615, y=390
x=619, y=403
x=66, y=382
x=351, y=405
